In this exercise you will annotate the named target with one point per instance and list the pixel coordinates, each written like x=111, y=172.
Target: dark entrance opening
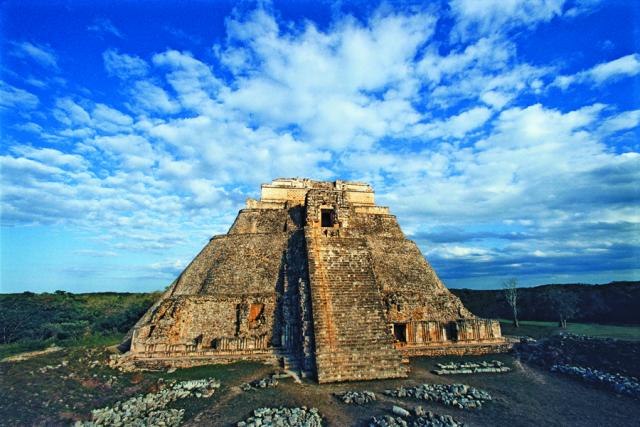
x=326, y=217
x=400, y=332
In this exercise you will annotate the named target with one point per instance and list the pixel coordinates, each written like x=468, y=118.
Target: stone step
x=353, y=340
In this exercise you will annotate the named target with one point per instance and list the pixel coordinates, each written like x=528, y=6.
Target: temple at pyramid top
x=294, y=190
x=314, y=277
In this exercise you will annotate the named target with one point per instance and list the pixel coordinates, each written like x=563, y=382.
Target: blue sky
x=502, y=133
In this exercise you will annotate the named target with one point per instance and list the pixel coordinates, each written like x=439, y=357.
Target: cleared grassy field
x=538, y=329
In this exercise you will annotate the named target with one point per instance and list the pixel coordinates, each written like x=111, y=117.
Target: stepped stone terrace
x=317, y=278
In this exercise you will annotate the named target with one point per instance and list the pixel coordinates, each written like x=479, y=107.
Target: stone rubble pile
x=403, y=418
x=615, y=382
x=356, y=397
x=604, y=354
x=44, y=369
x=452, y=368
x=260, y=383
x=149, y=409
x=457, y=395
x=283, y=417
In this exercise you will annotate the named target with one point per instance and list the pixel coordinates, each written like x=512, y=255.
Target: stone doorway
x=326, y=217
x=400, y=332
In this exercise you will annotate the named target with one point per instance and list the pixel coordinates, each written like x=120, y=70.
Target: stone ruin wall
x=250, y=293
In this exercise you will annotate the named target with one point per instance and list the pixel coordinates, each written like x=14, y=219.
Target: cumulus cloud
x=109, y=119
x=50, y=156
x=480, y=17
x=626, y=66
x=43, y=55
x=456, y=137
x=148, y=97
x=456, y=126
x=623, y=121
x=70, y=113
x=349, y=86
x=13, y=97
x=124, y=66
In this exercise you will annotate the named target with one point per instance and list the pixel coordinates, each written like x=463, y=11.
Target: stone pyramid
x=316, y=277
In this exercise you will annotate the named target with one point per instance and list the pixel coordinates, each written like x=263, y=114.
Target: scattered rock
x=400, y=411
x=356, y=397
x=388, y=421
x=428, y=419
x=452, y=368
x=283, y=417
x=604, y=354
x=614, y=382
x=458, y=395
x=267, y=382
x=149, y=409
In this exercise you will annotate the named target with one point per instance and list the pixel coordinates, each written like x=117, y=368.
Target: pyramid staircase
x=353, y=341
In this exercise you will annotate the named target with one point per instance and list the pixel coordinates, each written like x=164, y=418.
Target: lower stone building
x=316, y=277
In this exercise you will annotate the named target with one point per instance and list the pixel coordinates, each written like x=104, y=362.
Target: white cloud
x=480, y=17
x=456, y=126
x=495, y=89
x=462, y=252
x=41, y=54
x=622, y=67
x=103, y=26
x=109, y=119
x=152, y=98
x=344, y=87
x=13, y=97
x=623, y=121
x=134, y=151
x=50, y=156
x=626, y=66
x=192, y=80
x=124, y=66
x=450, y=134
x=70, y=113
x=488, y=53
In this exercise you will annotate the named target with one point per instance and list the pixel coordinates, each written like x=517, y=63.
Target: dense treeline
x=616, y=302
x=64, y=316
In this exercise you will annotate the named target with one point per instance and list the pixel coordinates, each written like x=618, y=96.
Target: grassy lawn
x=538, y=329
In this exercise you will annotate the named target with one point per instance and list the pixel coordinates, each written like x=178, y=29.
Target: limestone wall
x=411, y=288
x=295, y=191
x=252, y=221
x=194, y=323
x=375, y=225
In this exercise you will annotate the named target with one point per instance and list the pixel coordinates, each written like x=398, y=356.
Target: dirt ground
x=527, y=396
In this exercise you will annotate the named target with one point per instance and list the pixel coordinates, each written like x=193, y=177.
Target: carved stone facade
x=314, y=276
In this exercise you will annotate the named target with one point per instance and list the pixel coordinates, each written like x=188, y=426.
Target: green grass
x=96, y=340
x=7, y=350
x=537, y=329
